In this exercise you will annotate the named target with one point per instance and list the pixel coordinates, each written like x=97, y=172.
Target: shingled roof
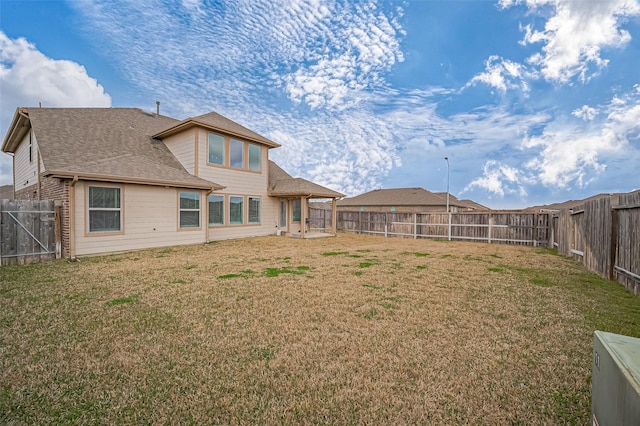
x=109, y=144
x=282, y=184
x=216, y=122
x=395, y=197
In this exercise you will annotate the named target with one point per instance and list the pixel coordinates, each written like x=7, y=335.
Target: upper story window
x=105, y=211
x=254, y=157
x=235, y=153
x=216, y=149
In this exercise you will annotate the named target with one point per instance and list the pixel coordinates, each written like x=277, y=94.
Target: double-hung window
x=216, y=210
x=254, y=210
x=105, y=211
x=189, y=209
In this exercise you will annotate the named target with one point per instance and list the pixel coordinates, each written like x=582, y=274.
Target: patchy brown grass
x=342, y=330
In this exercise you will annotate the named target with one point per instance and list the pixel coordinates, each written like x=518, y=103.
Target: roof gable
x=216, y=122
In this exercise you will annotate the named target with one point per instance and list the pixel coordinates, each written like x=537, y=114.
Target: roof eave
x=126, y=179
x=18, y=128
x=303, y=194
x=190, y=122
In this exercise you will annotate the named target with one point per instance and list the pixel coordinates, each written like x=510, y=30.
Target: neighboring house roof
x=216, y=122
x=282, y=184
x=397, y=197
x=6, y=192
x=472, y=204
x=574, y=203
x=107, y=144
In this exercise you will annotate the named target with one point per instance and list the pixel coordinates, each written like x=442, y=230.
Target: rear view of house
x=127, y=179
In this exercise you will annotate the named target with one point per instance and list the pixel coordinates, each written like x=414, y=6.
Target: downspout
x=206, y=214
x=72, y=222
x=39, y=178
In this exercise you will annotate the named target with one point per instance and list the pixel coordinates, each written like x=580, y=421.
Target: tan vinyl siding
x=182, y=145
x=149, y=220
x=235, y=180
x=268, y=222
x=26, y=172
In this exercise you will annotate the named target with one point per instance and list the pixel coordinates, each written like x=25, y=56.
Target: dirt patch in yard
x=352, y=329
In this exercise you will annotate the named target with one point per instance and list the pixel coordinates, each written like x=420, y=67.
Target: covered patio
x=294, y=194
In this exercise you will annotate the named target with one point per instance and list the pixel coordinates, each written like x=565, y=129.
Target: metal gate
x=27, y=231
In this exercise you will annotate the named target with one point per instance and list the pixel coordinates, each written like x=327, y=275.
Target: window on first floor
x=254, y=210
x=236, y=210
x=295, y=206
x=216, y=210
x=105, y=211
x=189, y=209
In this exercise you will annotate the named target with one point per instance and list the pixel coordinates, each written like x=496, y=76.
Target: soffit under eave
x=18, y=128
x=212, y=186
x=299, y=195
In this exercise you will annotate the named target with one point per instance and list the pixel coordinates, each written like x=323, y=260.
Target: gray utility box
x=615, y=397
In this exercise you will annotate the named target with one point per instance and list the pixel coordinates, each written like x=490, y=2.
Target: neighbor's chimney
x=157, y=107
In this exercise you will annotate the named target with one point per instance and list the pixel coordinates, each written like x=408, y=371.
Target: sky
x=532, y=101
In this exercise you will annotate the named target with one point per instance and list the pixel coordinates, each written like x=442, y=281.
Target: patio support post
x=334, y=217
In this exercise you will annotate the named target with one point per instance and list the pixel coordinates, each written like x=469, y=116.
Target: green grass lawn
x=346, y=330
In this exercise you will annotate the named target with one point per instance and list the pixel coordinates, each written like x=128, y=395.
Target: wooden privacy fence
x=28, y=232
x=604, y=238
x=521, y=228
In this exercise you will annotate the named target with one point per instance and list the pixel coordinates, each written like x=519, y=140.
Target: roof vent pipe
x=157, y=107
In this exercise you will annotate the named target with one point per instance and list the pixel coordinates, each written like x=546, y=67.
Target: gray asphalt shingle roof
x=282, y=184
x=395, y=197
x=114, y=143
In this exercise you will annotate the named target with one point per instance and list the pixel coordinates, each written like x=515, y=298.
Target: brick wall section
x=28, y=193
x=56, y=190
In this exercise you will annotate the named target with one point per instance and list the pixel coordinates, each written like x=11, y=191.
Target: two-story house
x=128, y=179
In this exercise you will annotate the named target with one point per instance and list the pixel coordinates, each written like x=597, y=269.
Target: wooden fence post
x=614, y=245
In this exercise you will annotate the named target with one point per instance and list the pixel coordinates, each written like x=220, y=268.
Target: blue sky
x=533, y=101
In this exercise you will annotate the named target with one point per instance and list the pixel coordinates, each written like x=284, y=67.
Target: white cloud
x=363, y=44
x=503, y=74
x=575, y=34
x=499, y=179
x=585, y=112
x=28, y=77
x=291, y=70
x=569, y=155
